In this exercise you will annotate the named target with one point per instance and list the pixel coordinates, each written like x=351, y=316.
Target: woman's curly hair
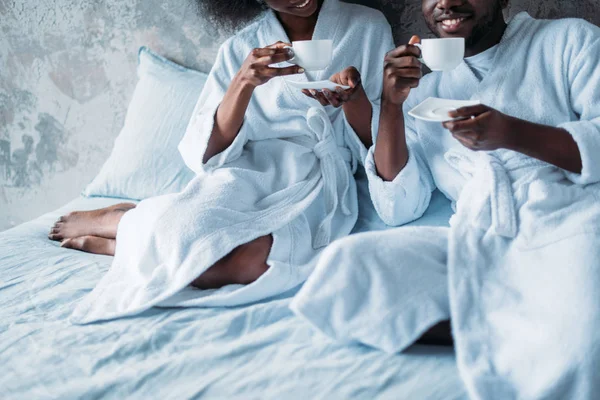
x=232, y=14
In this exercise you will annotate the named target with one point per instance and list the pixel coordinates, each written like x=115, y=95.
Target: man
x=518, y=271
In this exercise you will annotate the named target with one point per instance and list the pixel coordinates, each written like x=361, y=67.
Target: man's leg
x=531, y=329
x=384, y=289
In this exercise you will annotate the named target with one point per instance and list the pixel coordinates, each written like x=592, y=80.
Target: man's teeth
x=451, y=22
x=303, y=4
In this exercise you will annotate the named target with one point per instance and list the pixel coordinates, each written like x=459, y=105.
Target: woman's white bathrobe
x=288, y=173
x=518, y=271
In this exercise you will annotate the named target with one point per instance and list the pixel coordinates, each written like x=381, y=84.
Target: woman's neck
x=299, y=28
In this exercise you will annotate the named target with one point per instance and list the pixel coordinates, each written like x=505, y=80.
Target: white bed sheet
x=261, y=351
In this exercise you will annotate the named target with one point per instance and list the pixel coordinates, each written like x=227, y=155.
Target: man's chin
x=444, y=35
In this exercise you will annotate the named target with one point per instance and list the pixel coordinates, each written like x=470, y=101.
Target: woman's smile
x=303, y=4
x=304, y=8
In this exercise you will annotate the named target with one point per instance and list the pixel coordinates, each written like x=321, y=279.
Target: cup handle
x=420, y=48
x=293, y=59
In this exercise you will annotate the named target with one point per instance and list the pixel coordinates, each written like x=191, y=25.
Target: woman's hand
x=257, y=69
x=354, y=102
x=348, y=77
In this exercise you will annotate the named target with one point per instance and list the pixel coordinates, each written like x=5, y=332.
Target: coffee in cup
x=312, y=55
x=442, y=54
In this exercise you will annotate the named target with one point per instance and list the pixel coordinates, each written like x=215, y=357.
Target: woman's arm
x=359, y=113
x=229, y=117
x=354, y=102
x=254, y=72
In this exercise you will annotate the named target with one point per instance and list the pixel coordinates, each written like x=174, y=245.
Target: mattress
x=260, y=351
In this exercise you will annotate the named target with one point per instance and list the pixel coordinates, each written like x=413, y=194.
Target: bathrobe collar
x=326, y=28
x=515, y=30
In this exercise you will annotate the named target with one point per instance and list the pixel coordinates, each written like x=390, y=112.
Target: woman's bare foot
x=101, y=223
x=244, y=265
x=91, y=244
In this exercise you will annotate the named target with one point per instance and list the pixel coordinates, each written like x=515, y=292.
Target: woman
x=274, y=169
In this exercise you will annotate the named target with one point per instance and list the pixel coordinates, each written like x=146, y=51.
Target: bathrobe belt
x=487, y=199
x=335, y=169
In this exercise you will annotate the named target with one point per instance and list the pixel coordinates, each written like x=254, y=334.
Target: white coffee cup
x=442, y=54
x=312, y=55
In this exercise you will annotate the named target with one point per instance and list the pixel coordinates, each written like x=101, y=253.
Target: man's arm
x=391, y=151
x=552, y=145
x=573, y=146
x=402, y=72
x=484, y=128
x=400, y=186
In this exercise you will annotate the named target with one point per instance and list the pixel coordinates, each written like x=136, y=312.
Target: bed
x=261, y=351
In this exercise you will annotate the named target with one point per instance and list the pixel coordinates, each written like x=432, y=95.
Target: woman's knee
x=242, y=266
x=249, y=261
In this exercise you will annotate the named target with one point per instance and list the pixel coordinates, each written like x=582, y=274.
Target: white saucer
x=318, y=85
x=436, y=110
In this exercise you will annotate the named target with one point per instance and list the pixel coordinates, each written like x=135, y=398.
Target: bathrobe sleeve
x=406, y=198
x=584, y=80
x=195, y=141
x=378, y=41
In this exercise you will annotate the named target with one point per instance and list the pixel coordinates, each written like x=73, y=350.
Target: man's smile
x=453, y=23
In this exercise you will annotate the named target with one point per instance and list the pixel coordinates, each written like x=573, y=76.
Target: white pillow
x=145, y=161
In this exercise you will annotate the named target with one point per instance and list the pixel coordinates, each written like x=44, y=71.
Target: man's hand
x=348, y=77
x=402, y=72
x=482, y=128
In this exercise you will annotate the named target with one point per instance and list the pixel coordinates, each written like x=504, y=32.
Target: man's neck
x=493, y=37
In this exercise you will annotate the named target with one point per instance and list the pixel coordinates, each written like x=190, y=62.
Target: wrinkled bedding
x=261, y=351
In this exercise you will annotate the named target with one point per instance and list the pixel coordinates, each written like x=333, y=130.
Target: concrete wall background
x=67, y=71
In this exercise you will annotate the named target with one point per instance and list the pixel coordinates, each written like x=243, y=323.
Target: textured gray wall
x=67, y=71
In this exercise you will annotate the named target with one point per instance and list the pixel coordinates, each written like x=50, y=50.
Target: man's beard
x=484, y=27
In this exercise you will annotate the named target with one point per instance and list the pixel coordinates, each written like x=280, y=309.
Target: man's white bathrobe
x=288, y=173
x=518, y=271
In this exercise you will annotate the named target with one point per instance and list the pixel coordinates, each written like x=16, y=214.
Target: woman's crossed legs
x=96, y=232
